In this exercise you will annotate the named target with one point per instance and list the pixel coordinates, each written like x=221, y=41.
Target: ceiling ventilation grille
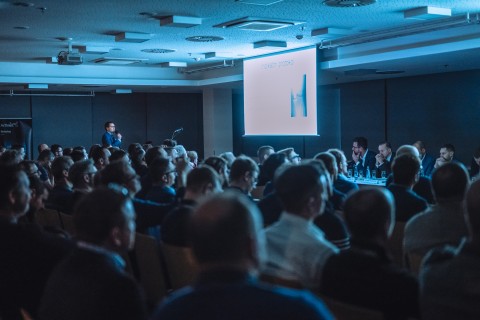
x=204, y=38
x=257, y=24
x=348, y=3
x=158, y=50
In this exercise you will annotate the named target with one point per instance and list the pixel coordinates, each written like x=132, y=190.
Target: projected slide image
x=280, y=96
x=298, y=99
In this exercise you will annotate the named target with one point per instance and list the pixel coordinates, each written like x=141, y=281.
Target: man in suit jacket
x=405, y=174
x=384, y=158
x=428, y=162
x=91, y=283
x=362, y=157
x=341, y=183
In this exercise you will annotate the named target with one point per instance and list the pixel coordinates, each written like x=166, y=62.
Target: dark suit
x=366, y=276
x=27, y=258
x=230, y=294
x=428, y=163
x=385, y=166
x=368, y=161
x=91, y=285
x=343, y=185
x=407, y=202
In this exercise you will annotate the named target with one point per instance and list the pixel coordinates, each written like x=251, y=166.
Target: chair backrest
x=395, y=243
x=150, y=269
x=346, y=311
x=182, y=268
x=48, y=218
x=67, y=223
x=414, y=261
x=294, y=284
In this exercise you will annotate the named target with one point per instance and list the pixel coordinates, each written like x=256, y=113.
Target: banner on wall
x=17, y=131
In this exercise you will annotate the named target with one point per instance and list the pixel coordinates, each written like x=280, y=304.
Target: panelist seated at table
x=383, y=160
x=362, y=157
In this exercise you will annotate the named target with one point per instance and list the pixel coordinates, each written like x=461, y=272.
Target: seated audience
x=292, y=156
x=475, y=164
x=341, y=183
x=297, y=249
x=81, y=174
x=365, y=275
x=57, y=150
x=268, y=169
x=163, y=174
x=193, y=158
x=243, y=175
x=201, y=181
x=450, y=276
x=44, y=162
x=92, y=283
x=229, y=157
x=221, y=167
x=262, y=154
x=442, y=223
x=100, y=157
x=60, y=195
x=10, y=157
x=227, y=244
x=30, y=168
x=28, y=256
x=406, y=171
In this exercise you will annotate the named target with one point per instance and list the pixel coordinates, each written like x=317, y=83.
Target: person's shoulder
x=439, y=256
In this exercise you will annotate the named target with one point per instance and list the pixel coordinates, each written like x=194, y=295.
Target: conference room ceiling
x=376, y=42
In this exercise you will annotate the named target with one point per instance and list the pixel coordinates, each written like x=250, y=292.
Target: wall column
x=217, y=121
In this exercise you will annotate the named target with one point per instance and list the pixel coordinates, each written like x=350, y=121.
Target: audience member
x=44, y=162
x=341, y=183
x=296, y=249
x=292, y=156
x=365, y=275
x=263, y=153
x=267, y=171
x=201, y=182
x=220, y=166
x=362, y=157
x=10, y=157
x=81, y=174
x=163, y=174
x=428, y=162
x=193, y=158
x=243, y=175
x=449, y=278
x=227, y=244
x=42, y=146
x=443, y=223
x=30, y=168
x=57, y=150
x=406, y=171
x=475, y=163
x=92, y=283
x=60, y=195
x=27, y=254
x=20, y=149
x=229, y=156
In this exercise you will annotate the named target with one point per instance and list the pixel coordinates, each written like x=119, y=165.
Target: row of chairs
x=158, y=268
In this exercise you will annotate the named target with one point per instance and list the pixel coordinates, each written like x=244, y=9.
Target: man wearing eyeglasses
x=111, y=137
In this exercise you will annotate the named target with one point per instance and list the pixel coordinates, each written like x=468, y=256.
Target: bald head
x=450, y=182
x=369, y=213
x=473, y=209
x=407, y=150
x=225, y=230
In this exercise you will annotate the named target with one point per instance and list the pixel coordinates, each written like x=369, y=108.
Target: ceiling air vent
x=158, y=50
x=348, y=3
x=257, y=24
x=204, y=38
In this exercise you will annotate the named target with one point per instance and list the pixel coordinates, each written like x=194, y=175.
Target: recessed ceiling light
x=204, y=38
x=158, y=50
x=269, y=44
x=21, y=27
x=117, y=61
x=259, y=2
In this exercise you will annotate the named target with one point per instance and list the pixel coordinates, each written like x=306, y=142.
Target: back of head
x=78, y=170
x=98, y=213
x=329, y=161
x=153, y=153
x=405, y=169
x=45, y=155
x=240, y=166
x=361, y=142
x=118, y=155
x=115, y=172
x=11, y=179
x=338, y=154
x=60, y=165
x=450, y=182
x=169, y=143
x=263, y=151
x=473, y=209
x=200, y=177
x=407, y=150
x=222, y=229
x=217, y=163
x=449, y=147
x=229, y=156
x=368, y=213
x=158, y=168
x=10, y=157
x=294, y=185
x=273, y=162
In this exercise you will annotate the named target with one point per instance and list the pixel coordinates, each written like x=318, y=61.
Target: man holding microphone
x=111, y=137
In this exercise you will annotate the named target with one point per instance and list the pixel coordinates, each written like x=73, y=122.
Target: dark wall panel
x=63, y=120
x=362, y=113
x=14, y=107
x=127, y=111
x=438, y=109
x=168, y=112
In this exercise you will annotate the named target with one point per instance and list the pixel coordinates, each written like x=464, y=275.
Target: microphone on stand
x=176, y=132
